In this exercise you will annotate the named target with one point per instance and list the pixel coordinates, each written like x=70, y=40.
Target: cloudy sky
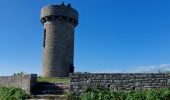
x=112, y=35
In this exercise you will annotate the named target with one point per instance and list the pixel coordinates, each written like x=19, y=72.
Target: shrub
x=12, y=93
x=99, y=93
x=165, y=94
x=72, y=96
x=19, y=74
x=152, y=94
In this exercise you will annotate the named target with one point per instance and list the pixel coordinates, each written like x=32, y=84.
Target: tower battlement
x=59, y=12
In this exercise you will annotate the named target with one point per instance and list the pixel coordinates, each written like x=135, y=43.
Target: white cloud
x=140, y=69
x=150, y=69
x=109, y=71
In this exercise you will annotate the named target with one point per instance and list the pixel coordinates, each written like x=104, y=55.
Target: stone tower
x=58, y=48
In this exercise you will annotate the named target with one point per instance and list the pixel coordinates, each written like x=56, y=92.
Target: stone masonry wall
x=118, y=81
x=25, y=82
x=58, y=50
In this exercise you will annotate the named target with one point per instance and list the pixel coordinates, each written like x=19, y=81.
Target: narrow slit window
x=44, y=38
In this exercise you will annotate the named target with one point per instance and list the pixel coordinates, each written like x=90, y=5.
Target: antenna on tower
x=62, y=4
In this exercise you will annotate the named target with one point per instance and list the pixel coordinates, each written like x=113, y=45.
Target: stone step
x=57, y=83
x=57, y=92
x=50, y=88
x=48, y=97
x=48, y=83
x=53, y=87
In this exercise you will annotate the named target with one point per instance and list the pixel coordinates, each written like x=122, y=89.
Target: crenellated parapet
x=60, y=13
x=60, y=18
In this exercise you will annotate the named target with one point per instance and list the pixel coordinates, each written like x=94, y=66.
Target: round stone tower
x=58, y=48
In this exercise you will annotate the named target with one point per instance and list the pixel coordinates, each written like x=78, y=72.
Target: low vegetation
x=54, y=79
x=19, y=74
x=12, y=93
x=99, y=93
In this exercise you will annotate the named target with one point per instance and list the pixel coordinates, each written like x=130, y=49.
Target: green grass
x=53, y=79
x=12, y=93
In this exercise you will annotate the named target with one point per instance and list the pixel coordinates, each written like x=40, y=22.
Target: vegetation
x=99, y=93
x=19, y=74
x=11, y=93
x=53, y=79
x=72, y=96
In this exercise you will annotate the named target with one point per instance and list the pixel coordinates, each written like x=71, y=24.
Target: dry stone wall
x=25, y=82
x=118, y=81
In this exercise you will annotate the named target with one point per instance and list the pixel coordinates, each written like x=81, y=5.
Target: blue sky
x=112, y=35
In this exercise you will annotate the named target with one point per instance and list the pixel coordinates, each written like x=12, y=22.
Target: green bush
x=12, y=93
x=99, y=93
x=19, y=74
x=72, y=96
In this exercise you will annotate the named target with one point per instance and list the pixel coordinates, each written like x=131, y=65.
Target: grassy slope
x=54, y=79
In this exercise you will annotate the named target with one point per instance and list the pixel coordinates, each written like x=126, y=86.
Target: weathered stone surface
x=25, y=82
x=58, y=49
x=118, y=81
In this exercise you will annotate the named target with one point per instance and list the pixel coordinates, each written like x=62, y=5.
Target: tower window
x=44, y=38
